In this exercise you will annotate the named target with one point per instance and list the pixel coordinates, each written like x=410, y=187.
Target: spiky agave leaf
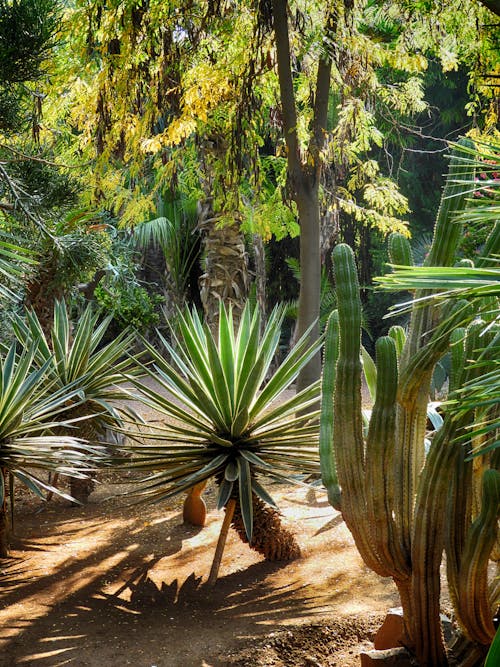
x=224, y=418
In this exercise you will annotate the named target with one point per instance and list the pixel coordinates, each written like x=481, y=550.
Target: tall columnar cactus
x=402, y=506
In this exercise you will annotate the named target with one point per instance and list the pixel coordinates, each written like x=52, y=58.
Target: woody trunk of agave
x=224, y=421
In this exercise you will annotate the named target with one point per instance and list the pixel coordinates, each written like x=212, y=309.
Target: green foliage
x=130, y=305
x=75, y=357
x=27, y=29
x=27, y=37
x=175, y=232
x=222, y=421
x=493, y=657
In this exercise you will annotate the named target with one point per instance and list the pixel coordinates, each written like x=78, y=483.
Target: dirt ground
x=112, y=583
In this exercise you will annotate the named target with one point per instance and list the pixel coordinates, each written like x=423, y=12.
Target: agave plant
x=224, y=421
x=96, y=373
x=29, y=409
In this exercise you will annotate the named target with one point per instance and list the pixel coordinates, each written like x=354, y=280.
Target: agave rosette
x=223, y=418
x=28, y=410
x=78, y=359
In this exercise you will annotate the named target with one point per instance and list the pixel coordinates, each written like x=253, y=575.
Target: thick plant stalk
x=221, y=542
x=270, y=538
x=473, y=582
x=327, y=459
x=402, y=507
x=399, y=249
x=380, y=447
x=349, y=443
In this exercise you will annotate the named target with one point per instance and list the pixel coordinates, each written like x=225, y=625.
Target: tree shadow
x=166, y=616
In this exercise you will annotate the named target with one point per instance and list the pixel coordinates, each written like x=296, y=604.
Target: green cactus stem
x=399, y=248
x=398, y=334
x=428, y=537
x=348, y=420
x=475, y=609
x=327, y=458
x=380, y=448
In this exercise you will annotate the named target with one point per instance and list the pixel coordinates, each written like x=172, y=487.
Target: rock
x=392, y=657
x=390, y=632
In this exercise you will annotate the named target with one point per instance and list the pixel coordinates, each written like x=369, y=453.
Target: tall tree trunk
x=226, y=276
x=310, y=274
x=260, y=276
x=304, y=173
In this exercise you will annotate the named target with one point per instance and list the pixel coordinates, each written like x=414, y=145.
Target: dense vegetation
x=175, y=176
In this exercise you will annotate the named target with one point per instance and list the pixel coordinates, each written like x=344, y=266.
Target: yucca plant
x=76, y=358
x=224, y=421
x=29, y=408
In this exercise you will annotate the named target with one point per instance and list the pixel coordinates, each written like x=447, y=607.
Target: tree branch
x=322, y=93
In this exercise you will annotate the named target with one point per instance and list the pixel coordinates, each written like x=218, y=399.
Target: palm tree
x=174, y=234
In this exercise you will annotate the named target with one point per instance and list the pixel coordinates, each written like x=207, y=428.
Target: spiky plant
x=225, y=421
x=404, y=506
x=77, y=358
x=29, y=408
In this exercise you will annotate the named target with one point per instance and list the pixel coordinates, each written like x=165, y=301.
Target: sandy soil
x=114, y=583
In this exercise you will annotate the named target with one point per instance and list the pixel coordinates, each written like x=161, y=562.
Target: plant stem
x=214, y=570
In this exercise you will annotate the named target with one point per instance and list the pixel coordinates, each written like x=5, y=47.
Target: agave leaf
x=245, y=330
x=287, y=372
x=221, y=394
x=36, y=485
x=262, y=493
x=297, y=403
x=209, y=469
x=27, y=482
x=272, y=334
x=250, y=384
x=251, y=457
x=225, y=491
x=245, y=486
x=248, y=346
x=240, y=422
x=196, y=346
x=231, y=472
x=227, y=352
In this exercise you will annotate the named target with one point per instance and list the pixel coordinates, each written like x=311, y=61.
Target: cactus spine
x=402, y=507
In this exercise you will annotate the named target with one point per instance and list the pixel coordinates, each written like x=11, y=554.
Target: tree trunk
x=226, y=276
x=4, y=525
x=270, y=538
x=304, y=173
x=260, y=277
x=310, y=273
